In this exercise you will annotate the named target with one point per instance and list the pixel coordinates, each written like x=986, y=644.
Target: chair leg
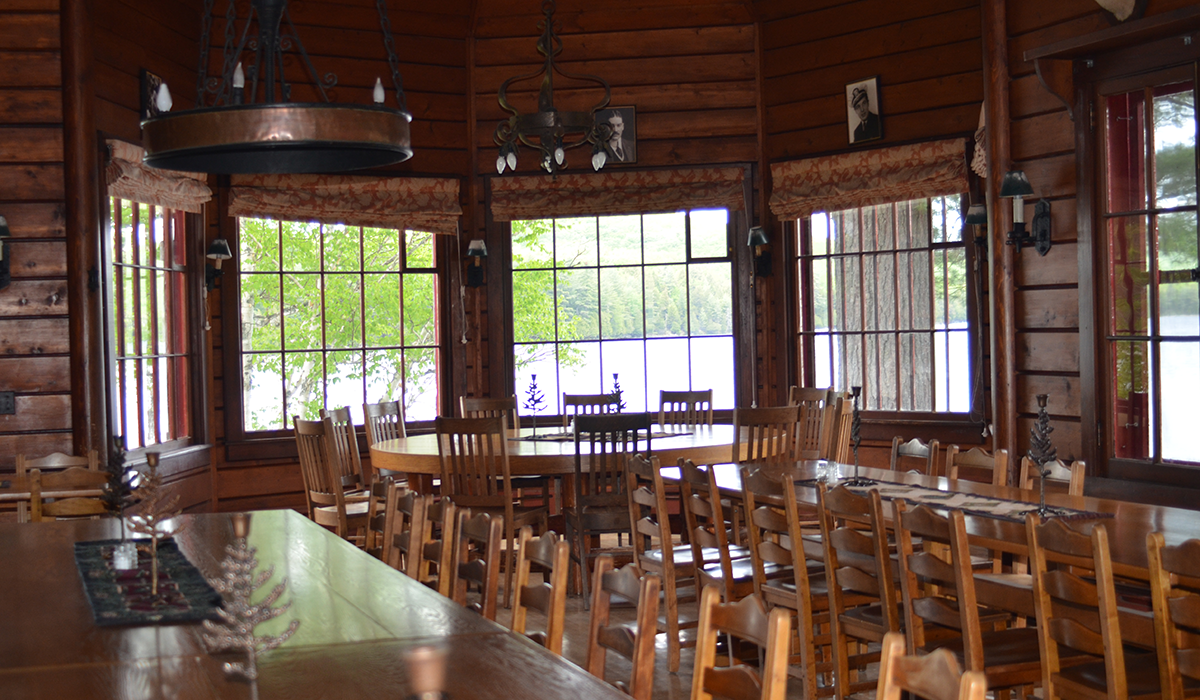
x=673, y=644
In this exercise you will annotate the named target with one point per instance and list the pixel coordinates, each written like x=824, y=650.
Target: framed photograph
x=863, y=122
x=150, y=83
x=622, y=145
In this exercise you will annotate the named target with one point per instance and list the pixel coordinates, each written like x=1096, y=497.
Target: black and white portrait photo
x=622, y=141
x=862, y=110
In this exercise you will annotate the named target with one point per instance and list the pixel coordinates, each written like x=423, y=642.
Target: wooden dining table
x=357, y=618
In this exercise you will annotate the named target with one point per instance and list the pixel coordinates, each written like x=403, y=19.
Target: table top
x=357, y=616
x=418, y=454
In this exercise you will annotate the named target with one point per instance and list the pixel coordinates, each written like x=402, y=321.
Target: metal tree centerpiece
x=618, y=393
x=856, y=440
x=534, y=401
x=154, y=509
x=1041, y=452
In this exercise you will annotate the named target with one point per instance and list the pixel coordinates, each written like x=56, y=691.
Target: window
x=148, y=320
x=645, y=301
x=1151, y=339
x=335, y=315
x=885, y=304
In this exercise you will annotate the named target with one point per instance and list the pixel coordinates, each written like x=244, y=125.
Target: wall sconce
x=1017, y=186
x=5, y=254
x=762, y=257
x=476, y=252
x=977, y=216
x=217, y=252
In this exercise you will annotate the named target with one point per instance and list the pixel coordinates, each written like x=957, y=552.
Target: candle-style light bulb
x=379, y=94
x=239, y=84
x=162, y=99
x=1018, y=209
x=500, y=163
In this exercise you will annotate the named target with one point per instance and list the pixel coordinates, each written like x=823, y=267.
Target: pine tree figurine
x=617, y=393
x=1041, y=450
x=534, y=401
x=154, y=509
x=238, y=615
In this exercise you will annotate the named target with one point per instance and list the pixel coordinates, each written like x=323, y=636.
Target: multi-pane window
x=335, y=315
x=884, y=296
x=645, y=297
x=149, y=331
x=1152, y=329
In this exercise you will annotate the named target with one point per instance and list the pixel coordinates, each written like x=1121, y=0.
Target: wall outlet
x=8, y=403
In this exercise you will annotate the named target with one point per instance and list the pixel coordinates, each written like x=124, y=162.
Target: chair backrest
x=649, y=518
x=474, y=456
x=550, y=552
x=603, y=445
x=977, y=464
x=814, y=426
x=1062, y=478
x=707, y=530
x=769, y=432
x=856, y=550
x=914, y=455
x=749, y=621
x=71, y=478
x=684, y=408
x=435, y=551
x=51, y=462
x=404, y=530
x=345, y=439
x=635, y=640
x=934, y=676
x=583, y=404
x=1075, y=599
x=378, y=511
x=839, y=447
x=320, y=466
x=485, y=407
x=1175, y=591
x=384, y=421
x=477, y=554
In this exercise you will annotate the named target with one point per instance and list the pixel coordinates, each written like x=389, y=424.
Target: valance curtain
x=616, y=192
x=422, y=204
x=128, y=177
x=864, y=178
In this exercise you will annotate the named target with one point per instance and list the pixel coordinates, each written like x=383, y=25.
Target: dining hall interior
x=972, y=225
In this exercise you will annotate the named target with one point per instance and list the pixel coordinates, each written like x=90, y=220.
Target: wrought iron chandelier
x=244, y=121
x=550, y=130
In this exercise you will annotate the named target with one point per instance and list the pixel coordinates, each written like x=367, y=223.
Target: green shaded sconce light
x=1016, y=186
x=476, y=253
x=759, y=241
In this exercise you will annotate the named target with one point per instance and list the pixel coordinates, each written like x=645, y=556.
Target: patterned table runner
x=565, y=436
x=123, y=597
x=968, y=502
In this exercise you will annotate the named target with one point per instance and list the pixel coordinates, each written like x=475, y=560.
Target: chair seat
x=595, y=519
x=1141, y=672
x=356, y=514
x=743, y=570
x=1010, y=657
x=817, y=586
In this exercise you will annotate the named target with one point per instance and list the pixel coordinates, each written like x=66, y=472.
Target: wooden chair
x=633, y=640
x=584, y=404
x=476, y=562
x=384, y=421
x=54, y=461
x=716, y=561
x=1076, y=603
x=935, y=676
x=325, y=486
x=777, y=537
x=485, y=407
x=747, y=620
x=603, y=445
x=377, y=521
x=654, y=550
x=680, y=409
x=814, y=427
x=914, y=455
x=475, y=474
x=857, y=561
x=345, y=439
x=770, y=434
x=977, y=464
x=548, y=597
x=435, y=546
x=1175, y=592
x=1062, y=479
x=839, y=448
x=71, y=478
x=404, y=530
x=941, y=610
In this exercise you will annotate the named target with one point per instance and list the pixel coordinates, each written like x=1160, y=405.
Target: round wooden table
x=418, y=454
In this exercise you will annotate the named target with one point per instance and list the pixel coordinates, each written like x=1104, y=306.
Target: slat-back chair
x=977, y=464
x=548, y=597
x=54, y=461
x=747, y=620
x=69, y=479
x=857, y=561
x=632, y=640
x=935, y=676
x=718, y=562
x=403, y=533
x=486, y=407
x=1076, y=602
x=384, y=421
x=476, y=564
x=839, y=448
x=584, y=404
x=1062, y=478
x=435, y=550
x=1175, y=592
x=680, y=409
x=654, y=550
x=475, y=474
x=378, y=510
x=603, y=445
x=324, y=486
x=914, y=455
x=345, y=439
x=770, y=434
x=814, y=426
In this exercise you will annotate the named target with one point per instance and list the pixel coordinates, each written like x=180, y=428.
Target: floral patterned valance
x=422, y=204
x=864, y=178
x=129, y=178
x=616, y=192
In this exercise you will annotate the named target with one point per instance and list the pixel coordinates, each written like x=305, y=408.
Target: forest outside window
x=648, y=298
x=885, y=305
x=334, y=315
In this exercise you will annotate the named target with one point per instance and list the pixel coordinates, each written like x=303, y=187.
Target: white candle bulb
x=379, y=93
x=239, y=77
x=1018, y=209
x=162, y=100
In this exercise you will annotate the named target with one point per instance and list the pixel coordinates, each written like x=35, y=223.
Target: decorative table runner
x=968, y=502
x=121, y=597
x=564, y=436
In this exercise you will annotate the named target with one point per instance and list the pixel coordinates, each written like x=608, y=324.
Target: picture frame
x=149, y=88
x=622, y=147
x=864, y=116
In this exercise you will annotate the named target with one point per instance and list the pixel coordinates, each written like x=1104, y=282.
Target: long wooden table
x=357, y=617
